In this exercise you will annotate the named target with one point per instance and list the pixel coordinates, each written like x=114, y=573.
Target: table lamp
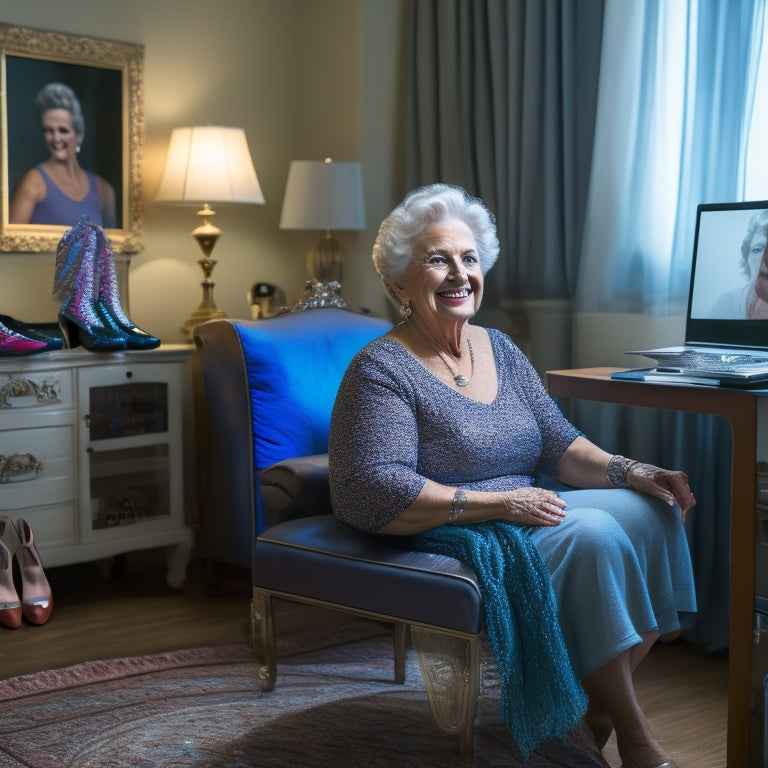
x=324, y=195
x=208, y=164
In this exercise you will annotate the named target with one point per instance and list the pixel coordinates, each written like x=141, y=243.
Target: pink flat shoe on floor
x=10, y=607
x=36, y=597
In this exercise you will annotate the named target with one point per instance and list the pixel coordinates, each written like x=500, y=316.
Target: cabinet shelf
x=141, y=460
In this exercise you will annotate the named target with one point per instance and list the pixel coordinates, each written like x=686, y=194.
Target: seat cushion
x=323, y=559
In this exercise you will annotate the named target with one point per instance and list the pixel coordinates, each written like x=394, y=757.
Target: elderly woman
x=58, y=191
x=440, y=431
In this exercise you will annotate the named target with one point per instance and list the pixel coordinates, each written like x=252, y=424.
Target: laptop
x=726, y=329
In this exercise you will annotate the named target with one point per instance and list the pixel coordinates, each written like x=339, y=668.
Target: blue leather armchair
x=270, y=387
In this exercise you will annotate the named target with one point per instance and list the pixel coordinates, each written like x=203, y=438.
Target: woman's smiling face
x=59, y=134
x=444, y=279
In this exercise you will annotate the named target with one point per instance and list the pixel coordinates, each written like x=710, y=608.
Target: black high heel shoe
x=135, y=338
x=107, y=299
x=94, y=337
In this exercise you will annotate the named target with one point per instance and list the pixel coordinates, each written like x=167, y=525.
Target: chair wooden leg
x=399, y=631
x=450, y=666
x=467, y=745
x=263, y=637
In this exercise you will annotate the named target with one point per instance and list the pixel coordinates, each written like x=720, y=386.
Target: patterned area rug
x=332, y=706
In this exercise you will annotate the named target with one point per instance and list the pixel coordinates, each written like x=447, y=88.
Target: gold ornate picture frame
x=108, y=78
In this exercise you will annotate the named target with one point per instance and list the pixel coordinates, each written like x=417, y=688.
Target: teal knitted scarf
x=540, y=695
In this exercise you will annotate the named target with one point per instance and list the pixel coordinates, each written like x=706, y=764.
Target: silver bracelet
x=457, y=505
x=617, y=469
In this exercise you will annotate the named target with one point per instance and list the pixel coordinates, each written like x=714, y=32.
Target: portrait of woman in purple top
x=58, y=191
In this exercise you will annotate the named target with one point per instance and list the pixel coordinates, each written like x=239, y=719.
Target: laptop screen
x=728, y=299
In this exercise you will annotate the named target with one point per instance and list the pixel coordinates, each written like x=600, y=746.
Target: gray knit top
x=395, y=424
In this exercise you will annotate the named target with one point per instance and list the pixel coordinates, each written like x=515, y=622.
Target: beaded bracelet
x=617, y=469
x=457, y=505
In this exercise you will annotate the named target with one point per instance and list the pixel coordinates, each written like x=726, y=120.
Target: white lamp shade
x=209, y=164
x=323, y=195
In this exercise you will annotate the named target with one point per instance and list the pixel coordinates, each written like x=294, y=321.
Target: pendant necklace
x=459, y=379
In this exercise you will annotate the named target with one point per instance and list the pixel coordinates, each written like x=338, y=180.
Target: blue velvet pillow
x=294, y=365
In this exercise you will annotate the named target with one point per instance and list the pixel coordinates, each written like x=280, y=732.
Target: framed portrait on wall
x=71, y=138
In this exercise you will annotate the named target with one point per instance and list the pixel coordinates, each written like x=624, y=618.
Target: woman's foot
x=646, y=754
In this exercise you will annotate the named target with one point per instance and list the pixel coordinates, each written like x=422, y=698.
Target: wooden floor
x=99, y=616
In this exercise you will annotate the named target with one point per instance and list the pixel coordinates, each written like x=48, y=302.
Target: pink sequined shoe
x=13, y=343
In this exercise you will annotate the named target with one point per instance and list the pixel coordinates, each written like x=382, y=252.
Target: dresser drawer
x=35, y=390
x=37, y=466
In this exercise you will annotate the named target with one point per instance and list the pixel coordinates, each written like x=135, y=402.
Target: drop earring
x=406, y=309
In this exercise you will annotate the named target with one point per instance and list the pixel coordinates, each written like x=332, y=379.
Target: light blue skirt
x=620, y=567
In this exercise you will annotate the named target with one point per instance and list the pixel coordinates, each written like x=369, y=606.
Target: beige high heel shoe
x=10, y=607
x=36, y=597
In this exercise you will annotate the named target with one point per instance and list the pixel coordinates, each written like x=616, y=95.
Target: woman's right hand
x=533, y=506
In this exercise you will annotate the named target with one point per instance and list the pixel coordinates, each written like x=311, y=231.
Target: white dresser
x=92, y=453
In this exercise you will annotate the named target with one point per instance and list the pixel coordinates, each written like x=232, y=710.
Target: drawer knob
x=19, y=466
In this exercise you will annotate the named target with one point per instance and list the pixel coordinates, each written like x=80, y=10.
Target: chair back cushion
x=294, y=365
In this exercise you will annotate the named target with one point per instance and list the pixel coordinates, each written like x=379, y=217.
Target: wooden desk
x=740, y=409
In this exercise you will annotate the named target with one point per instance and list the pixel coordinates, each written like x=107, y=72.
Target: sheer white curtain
x=681, y=119
x=680, y=88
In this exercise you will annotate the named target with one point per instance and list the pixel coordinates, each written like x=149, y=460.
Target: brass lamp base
x=207, y=309
x=324, y=265
x=325, y=261
x=206, y=235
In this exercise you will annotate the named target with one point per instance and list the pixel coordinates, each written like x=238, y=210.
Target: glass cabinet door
x=125, y=410
x=129, y=485
x=128, y=476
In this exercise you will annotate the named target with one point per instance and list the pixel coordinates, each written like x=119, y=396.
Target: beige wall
x=305, y=78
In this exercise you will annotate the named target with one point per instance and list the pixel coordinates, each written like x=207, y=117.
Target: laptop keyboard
x=713, y=361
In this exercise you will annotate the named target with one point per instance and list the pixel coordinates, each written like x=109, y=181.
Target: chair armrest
x=295, y=488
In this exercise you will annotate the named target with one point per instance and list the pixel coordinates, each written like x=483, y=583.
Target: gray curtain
x=502, y=102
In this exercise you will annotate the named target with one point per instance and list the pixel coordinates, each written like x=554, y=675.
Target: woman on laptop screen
x=750, y=300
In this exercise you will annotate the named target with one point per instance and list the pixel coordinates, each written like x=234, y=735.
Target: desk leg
x=742, y=583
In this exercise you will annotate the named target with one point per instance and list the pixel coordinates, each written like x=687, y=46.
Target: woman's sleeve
x=372, y=451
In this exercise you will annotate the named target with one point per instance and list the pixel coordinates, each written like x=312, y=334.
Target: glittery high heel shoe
x=75, y=281
x=36, y=597
x=43, y=332
x=108, y=305
x=10, y=606
x=93, y=335
x=14, y=343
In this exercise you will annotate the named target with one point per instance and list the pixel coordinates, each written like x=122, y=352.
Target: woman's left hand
x=664, y=484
